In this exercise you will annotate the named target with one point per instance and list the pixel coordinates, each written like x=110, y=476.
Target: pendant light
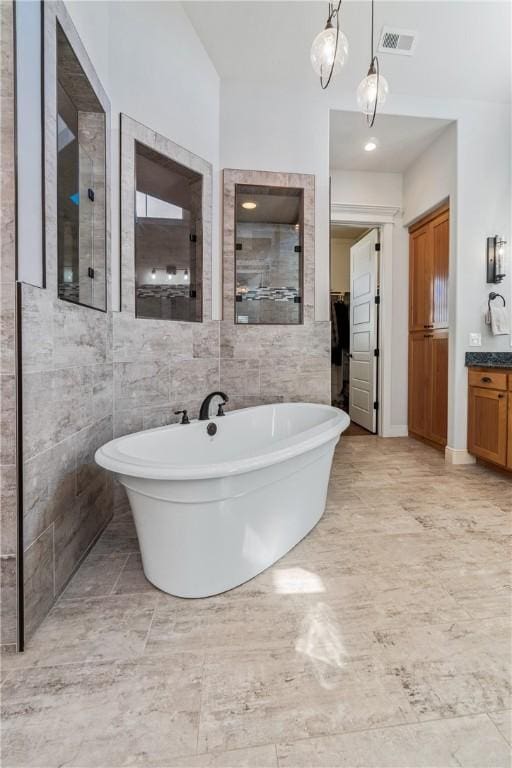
x=374, y=88
x=329, y=51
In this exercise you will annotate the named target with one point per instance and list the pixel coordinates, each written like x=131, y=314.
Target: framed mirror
x=269, y=247
x=81, y=175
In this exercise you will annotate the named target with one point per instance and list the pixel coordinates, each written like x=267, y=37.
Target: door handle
x=428, y=326
x=428, y=335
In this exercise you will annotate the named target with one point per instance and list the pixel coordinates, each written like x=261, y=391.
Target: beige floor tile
x=252, y=698
x=96, y=577
x=466, y=742
x=106, y=714
x=503, y=722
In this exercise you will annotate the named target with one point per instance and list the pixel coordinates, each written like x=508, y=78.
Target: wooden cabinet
x=428, y=385
x=428, y=327
x=490, y=415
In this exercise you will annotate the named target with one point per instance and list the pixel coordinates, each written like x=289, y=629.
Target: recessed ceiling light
x=370, y=145
x=249, y=206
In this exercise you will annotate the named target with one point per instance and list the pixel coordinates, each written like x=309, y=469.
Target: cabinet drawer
x=488, y=379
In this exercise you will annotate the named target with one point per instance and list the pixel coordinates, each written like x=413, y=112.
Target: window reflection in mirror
x=268, y=254
x=168, y=238
x=81, y=212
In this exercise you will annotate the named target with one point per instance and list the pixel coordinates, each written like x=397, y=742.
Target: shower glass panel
x=81, y=211
x=168, y=238
x=269, y=234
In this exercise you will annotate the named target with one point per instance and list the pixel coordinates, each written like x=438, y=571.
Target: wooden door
x=420, y=387
x=439, y=387
x=509, y=458
x=420, y=280
x=440, y=243
x=487, y=434
x=363, y=331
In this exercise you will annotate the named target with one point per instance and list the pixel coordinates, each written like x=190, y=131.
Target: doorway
x=354, y=313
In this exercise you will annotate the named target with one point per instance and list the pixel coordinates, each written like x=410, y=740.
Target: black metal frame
x=301, y=242
x=62, y=298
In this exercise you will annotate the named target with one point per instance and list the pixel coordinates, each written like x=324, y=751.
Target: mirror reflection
x=81, y=212
x=269, y=254
x=168, y=238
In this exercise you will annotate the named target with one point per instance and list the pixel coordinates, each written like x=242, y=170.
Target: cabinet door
x=420, y=280
x=439, y=391
x=487, y=436
x=420, y=354
x=509, y=460
x=440, y=230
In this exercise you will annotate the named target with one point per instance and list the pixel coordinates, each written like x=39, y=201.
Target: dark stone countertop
x=489, y=359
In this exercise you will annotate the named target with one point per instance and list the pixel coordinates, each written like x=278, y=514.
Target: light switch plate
x=475, y=339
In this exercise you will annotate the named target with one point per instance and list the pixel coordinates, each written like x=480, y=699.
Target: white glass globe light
x=368, y=92
x=323, y=52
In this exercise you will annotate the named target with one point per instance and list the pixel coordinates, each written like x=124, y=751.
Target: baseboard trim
x=396, y=430
x=458, y=456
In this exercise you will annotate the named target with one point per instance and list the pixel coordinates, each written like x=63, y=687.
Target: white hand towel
x=499, y=321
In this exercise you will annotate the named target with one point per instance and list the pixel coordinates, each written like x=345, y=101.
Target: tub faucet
x=204, y=411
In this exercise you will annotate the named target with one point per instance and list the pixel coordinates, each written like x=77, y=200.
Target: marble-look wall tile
x=38, y=569
x=8, y=509
x=49, y=488
x=142, y=383
x=240, y=377
x=8, y=598
x=8, y=503
x=67, y=388
x=7, y=328
x=199, y=376
x=7, y=418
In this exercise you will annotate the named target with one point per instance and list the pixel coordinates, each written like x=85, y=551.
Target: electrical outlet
x=475, y=339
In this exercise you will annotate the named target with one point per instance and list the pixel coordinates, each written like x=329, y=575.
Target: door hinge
x=193, y=238
x=376, y=352
x=238, y=246
x=90, y=194
x=376, y=405
x=377, y=246
x=298, y=249
x=377, y=299
x=90, y=272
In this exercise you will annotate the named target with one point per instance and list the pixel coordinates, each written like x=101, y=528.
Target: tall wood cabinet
x=428, y=327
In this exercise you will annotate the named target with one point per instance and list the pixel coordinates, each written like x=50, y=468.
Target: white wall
x=432, y=178
x=364, y=187
x=156, y=70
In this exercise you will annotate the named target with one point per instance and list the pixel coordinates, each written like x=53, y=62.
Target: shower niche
x=269, y=246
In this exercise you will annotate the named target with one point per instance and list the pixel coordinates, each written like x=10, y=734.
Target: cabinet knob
x=428, y=326
x=501, y=395
x=486, y=380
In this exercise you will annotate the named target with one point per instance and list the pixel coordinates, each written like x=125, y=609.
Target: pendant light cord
x=373, y=70
x=333, y=12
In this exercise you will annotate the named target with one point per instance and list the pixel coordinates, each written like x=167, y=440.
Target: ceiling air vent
x=399, y=41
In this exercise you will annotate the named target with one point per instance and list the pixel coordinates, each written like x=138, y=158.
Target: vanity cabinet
x=490, y=415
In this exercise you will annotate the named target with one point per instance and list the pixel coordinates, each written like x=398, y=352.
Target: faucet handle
x=185, y=419
x=220, y=409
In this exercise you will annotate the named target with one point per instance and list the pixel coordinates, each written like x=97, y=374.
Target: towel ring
x=493, y=296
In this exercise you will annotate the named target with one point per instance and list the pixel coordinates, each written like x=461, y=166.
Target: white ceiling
x=400, y=141
x=463, y=48
x=346, y=232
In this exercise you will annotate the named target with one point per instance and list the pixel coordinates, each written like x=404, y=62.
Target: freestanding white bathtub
x=213, y=511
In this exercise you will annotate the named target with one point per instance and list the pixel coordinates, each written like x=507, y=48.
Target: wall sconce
x=185, y=275
x=171, y=271
x=153, y=274
x=495, y=259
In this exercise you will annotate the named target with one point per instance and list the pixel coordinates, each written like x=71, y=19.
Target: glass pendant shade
x=372, y=87
x=323, y=52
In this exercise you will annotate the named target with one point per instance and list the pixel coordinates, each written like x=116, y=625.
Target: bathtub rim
x=296, y=445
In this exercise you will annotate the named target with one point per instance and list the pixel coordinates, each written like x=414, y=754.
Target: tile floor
x=382, y=639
